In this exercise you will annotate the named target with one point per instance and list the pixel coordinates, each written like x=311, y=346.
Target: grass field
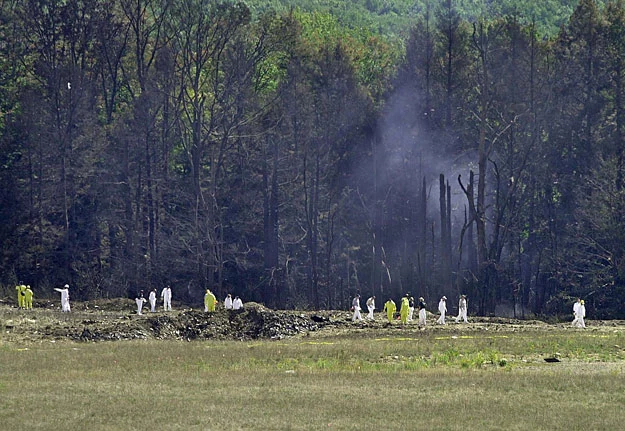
x=410, y=380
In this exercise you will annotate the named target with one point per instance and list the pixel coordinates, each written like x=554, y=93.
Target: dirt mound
x=116, y=319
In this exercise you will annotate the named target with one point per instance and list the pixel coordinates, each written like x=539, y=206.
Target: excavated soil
x=117, y=319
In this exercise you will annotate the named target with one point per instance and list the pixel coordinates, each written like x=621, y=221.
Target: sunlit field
x=361, y=379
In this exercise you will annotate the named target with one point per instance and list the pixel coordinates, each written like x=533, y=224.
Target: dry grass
x=421, y=381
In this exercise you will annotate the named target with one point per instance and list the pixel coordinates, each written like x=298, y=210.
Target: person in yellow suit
x=28, y=298
x=209, y=301
x=21, y=292
x=404, y=309
x=390, y=308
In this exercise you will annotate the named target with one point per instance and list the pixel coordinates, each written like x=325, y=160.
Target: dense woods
x=293, y=159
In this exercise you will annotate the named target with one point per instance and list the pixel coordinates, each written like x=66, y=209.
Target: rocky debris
x=252, y=322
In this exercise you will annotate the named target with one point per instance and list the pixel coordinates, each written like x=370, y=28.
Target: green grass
x=427, y=380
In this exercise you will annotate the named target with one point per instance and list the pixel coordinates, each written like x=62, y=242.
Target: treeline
x=394, y=17
x=295, y=161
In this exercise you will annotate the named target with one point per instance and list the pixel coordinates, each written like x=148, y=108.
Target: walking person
x=581, y=313
x=442, y=308
x=166, y=295
x=404, y=310
x=410, y=308
x=28, y=298
x=576, y=306
x=356, y=308
x=209, y=301
x=152, y=299
x=371, y=307
x=462, y=309
x=140, y=300
x=390, y=308
x=422, y=312
x=228, y=302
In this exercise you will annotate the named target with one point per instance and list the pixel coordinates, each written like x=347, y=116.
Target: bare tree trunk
x=271, y=223
x=445, y=250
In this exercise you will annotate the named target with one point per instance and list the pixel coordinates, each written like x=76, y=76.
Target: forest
x=293, y=158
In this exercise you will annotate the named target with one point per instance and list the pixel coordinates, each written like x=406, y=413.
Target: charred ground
x=116, y=319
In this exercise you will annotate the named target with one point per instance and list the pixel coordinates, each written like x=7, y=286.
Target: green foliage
x=290, y=150
x=395, y=17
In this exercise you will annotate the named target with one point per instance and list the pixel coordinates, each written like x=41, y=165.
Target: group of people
x=233, y=304
x=24, y=296
x=407, y=308
x=25, y=299
x=210, y=301
x=165, y=296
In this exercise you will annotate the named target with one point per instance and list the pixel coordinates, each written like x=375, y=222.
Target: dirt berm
x=117, y=319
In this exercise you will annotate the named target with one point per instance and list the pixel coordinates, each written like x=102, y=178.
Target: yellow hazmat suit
x=28, y=298
x=209, y=301
x=390, y=308
x=21, y=292
x=404, y=310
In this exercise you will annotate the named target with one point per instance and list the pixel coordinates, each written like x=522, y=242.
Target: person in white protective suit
x=237, y=304
x=65, y=307
x=152, y=299
x=371, y=307
x=140, y=300
x=166, y=295
x=576, y=312
x=442, y=308
x=462, y=309
x=581, y=313
x=356, y=308
x=228, y=302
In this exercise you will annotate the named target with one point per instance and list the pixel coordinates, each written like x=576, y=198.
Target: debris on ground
x=117, y=319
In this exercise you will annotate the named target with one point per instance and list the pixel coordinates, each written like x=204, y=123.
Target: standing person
x=422, y=313
x=370, y=307
x=65, y=307
x=410, y=308
x=20, y=295
x=576, y=306
x=228, y=302
x=140, y=300
x=237, y=304
x=209, y=301
x=166, y=295
x=442, y=308
x=152, y=298
x=28, y=298
x=390, y=308
x=356, y=308
x=462, y=309
x=404, y=309
x=581, y=313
